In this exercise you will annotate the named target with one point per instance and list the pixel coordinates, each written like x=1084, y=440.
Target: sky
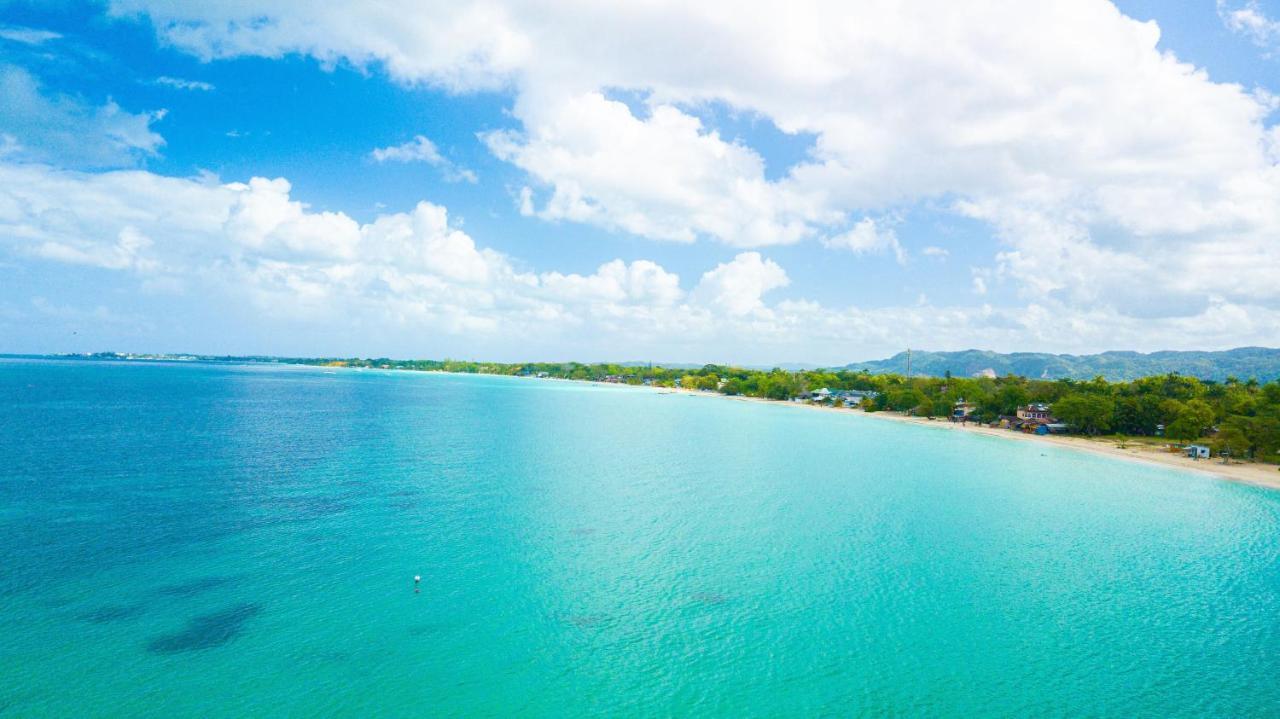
x=751, y=183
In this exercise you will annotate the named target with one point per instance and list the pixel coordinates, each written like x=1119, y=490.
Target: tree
x=1088, y=413
x=1138, y=414
x=1169, y=410
x=1252, y=436
x=1271, y=393
x=1195, y=418
x=942, y=407
x=776, y=385
x=1009, y=398
x=1232, y=439
x=1264, y=436
x=902, y=400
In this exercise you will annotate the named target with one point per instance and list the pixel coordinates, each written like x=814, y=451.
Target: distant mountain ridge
x=1261, y=363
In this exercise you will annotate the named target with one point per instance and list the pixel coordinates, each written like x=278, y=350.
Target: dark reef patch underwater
x=114, y=613
x=206, y=631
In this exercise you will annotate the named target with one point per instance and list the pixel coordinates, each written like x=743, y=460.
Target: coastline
x=1258, y=475
x=1251, y=473
x=1255, y=474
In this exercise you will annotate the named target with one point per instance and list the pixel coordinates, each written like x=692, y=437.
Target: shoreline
x=1251, y=473
x=1259, y=475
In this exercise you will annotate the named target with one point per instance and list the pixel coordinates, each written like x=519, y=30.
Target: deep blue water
x=212, y=540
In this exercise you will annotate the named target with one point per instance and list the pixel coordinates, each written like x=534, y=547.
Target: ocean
x=209, y=540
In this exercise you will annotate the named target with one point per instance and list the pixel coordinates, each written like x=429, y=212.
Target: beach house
x=1037, y=412
x=854, y=397
x=845, y=397
x=1034, y=417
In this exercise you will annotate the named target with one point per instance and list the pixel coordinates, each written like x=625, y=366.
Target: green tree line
x=1242, y=416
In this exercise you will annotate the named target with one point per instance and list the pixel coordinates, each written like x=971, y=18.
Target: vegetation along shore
x=1230, y=428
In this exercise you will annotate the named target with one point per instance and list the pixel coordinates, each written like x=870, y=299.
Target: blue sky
x=817, y=183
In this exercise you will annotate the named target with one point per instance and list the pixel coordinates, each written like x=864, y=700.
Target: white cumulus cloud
x=421, y=149
x=869, y=237
x=641, y=281
x=738, y=287
x=409, y=282
x=664, y=177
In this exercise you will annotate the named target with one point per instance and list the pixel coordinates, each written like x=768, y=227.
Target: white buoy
x=417, y=578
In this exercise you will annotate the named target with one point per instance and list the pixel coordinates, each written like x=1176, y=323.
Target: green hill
x=1261, y=363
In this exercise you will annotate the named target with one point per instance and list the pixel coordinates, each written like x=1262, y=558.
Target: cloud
x=979, y=283
x=421, y=149
x=868, y=237
x=180, y=84
x=934, y=251
x=640, y=282
x=1249, y=20
x=738, y=286
x=1065, y=118
x=525, y=202
x=422, y=240
x=459, y=46
x=412, y=283
x=125, y=254
x=27, y=35
x=253, y=242
x=263, y=218
x=65, y=129
x=664, y=177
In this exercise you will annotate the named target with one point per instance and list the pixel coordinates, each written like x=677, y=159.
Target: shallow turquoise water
x=204, y=540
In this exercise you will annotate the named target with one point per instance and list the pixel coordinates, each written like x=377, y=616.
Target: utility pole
x=908, y=363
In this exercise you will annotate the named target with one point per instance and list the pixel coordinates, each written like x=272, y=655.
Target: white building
x=1197, y=451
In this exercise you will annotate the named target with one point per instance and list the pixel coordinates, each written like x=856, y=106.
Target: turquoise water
x=205, y=540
